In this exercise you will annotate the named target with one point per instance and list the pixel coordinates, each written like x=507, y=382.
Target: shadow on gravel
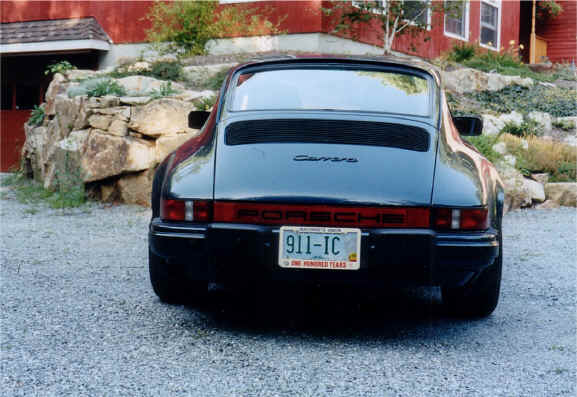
x=326, y=312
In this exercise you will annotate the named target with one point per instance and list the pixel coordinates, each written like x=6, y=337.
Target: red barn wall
x=561, y=34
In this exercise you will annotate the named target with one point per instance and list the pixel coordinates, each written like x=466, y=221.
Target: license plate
x=326, y=248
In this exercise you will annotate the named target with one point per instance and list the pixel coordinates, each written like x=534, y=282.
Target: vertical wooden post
x=533, y=42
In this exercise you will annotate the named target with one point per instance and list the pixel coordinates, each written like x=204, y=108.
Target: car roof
x=332, y=58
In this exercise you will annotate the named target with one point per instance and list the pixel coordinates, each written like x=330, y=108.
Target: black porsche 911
x=329, y=169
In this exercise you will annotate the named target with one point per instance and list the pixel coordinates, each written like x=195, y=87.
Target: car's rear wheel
x=171, y=285
x=480, y=297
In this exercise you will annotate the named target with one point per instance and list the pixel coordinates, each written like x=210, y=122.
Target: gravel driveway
x=79, y=318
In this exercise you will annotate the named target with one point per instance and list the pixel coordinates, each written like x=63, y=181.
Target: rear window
x=329, y=89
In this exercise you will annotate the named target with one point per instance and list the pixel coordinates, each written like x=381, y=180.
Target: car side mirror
x=197, y=118
x=469, y=125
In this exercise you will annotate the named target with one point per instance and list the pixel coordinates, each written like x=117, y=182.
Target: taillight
x=461, y=219
x=186, y=210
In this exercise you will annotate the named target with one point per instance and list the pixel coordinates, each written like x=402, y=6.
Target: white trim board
x=48, y=46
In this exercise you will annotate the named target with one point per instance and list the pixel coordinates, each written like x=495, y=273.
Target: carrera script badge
x=306, y=157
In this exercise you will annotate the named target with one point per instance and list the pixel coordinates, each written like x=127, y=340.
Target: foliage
x=411, y=85
x=205, y=103
x=565, y=125
x=36, y=116
x=484, y=144
x=106, y=87
x=395, y=17
x=527, y=128
x=165, y=90
x=165, y=70
x=462, y=52
x=59, y=67
x=547, y=9
x=185, y=27
x=214, y=82
x=555, y=158
x=558, y=102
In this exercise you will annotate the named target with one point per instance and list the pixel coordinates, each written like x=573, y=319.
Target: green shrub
x=462, y=52
x=59, y=67
x=164, y=91
x=526, y=128
x=106, y=87
x=165, y=70
x=484, y=144
x=36, y=116
x=214, y=82
x=205, y=103
x=558, y=102
x=565, y=125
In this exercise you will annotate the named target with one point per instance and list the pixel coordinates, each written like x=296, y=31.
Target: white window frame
x=496, y=4
x=356, y=3
x=466, y=27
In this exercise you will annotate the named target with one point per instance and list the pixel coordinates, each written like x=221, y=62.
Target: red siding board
x=561, y=34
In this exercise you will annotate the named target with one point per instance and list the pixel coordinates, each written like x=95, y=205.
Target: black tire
x=170, y=284
x=479, y=298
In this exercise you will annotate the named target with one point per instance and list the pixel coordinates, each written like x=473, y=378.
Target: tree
x=185, y=27
x=395, y=17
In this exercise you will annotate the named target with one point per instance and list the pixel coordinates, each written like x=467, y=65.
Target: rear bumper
x=223, y=252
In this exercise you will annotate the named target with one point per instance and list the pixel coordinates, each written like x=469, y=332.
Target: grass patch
x=527, y=128
x=555, y=158
x=31, y=192
x=484, y=144
x=565, y=125
x=162, y=70
x=558, y=102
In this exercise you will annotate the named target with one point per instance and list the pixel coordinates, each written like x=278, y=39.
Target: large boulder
x=536, y=190
x=144, y=85
x=517, y=193
x=57, y=86
x=543, y=120
x=108, y=155
x=72, y=114
x=162, y=117
x=64, y=163
x=562, y=193
x=468, y=80
x=492, y=125
x=167, y=144
x=136, y=188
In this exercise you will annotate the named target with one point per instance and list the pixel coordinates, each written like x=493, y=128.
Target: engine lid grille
x=346, y=132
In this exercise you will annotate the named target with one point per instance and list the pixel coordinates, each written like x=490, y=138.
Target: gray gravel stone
x=80, y=319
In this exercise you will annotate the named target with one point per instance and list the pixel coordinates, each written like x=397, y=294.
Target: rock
x=136, y=188
x=517, y=194
x=492, y=125
x=108, y=155
x=57, y=86
x=162, y=117
x=535, y=189
x=64, y=168
x=135, y=100
x=72, y=114
x=549, y=204
x=510, y=159
x=103, y=102
x=570, y=140
x=500, y=148
x=562, y=193
x=82, y=74
x=198, y=75
x=192, y=95
x=167, y=144
x=139, y=67
x=468, y=80
x=99, y=121
x=541, y=178
x=118, y=128
x=543, y=119
x=121, y=112
x=144, y=85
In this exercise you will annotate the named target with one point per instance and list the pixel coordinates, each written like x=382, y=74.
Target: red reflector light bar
x=461, y=219
x=321, y=215
x=186, y=210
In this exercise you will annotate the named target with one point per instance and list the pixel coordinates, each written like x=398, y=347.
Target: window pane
x=416, y=9
x=310, y=89
x=455, y=18
x=489, y=37
x=489, y=14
